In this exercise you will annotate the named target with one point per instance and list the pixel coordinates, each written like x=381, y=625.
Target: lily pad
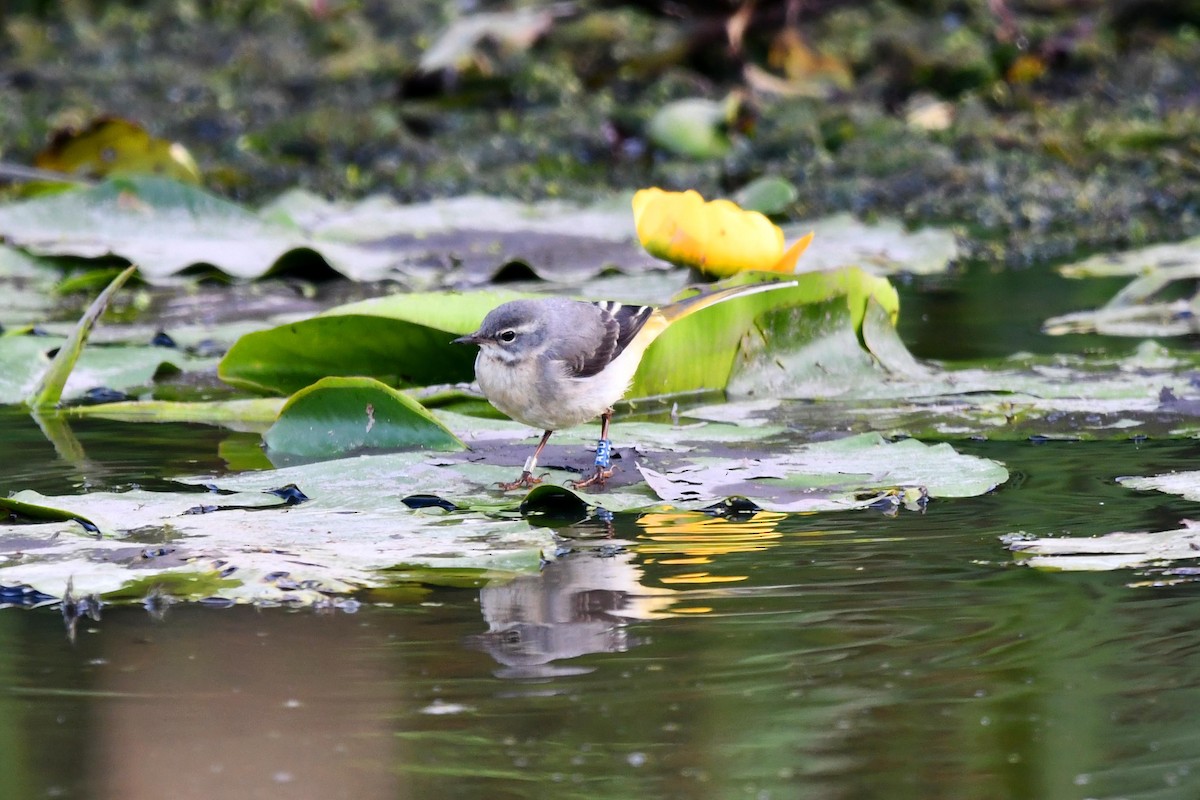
x=356, y=524
x=341, y=541
x=1112, y=551
x=1148, y=306
x=26, y=288
x=1186, y=484
x=405, y=340
x=343, y=415
x=1139, y=261
x=402, y=340
x=884, y=247
x=846, y=473
x=23, y=359
x=165, y=227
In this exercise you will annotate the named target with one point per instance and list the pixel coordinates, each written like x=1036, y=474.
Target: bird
x=554, y=363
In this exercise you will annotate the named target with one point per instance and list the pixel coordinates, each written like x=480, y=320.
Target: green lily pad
x=34, y=511
x=355, y=527
x=253, y=414
x=405, y=340
x=769, y=194
x=343, y=415
x=26, y=287
x=402, y=340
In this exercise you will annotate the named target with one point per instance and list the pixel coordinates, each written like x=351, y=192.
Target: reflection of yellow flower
x=694, y=538
x=716, y=237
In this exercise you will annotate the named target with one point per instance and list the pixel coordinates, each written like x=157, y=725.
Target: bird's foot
x=526, y=481
x=604, y=468
x=598, y=478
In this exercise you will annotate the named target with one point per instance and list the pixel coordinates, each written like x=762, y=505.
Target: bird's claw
x=598, y=478
x=526, y=481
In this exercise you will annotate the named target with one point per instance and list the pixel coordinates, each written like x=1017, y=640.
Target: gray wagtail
x=553, y=363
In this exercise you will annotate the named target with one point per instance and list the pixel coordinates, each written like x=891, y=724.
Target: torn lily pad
x=341, y=541
x=1151, y=305
x=1185, y=484
x=847, y=473
x=1112, y=551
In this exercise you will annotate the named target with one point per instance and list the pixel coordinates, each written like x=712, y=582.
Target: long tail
x=668, y=314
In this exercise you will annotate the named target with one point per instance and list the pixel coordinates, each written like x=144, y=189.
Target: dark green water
x=850, y=655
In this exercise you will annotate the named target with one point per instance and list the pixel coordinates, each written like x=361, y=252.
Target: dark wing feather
x=621, y=323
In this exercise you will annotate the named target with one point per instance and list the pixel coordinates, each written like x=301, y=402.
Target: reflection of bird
x=552, y=363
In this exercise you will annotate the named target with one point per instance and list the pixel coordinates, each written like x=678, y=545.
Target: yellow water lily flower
x=717, y=237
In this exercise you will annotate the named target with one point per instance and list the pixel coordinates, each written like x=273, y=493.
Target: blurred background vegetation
x=1038, y=129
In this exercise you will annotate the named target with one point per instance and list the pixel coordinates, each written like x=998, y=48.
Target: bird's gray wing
x=619, y=323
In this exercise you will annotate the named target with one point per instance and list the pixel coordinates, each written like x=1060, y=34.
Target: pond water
x=819, y=656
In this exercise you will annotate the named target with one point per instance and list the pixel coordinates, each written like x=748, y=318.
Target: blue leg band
x=604, y=453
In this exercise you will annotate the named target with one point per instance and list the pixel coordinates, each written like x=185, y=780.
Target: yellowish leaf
x=113, y=146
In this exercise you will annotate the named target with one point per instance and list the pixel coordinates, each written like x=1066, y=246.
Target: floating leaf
x=740, y=344
x=1139, y=261
x=883, y=247
x=817, y=476
x=256, y=413
x=42, y=513
x=49, y=390
x=405, y=340
x=342, y=540
x=1112, y=551
x=716, y=237
x=343, y=415
x=402, y=340
x=1186, y=484
x=1146, y=307
x=166, y=227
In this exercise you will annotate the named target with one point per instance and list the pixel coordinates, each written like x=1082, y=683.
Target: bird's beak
x=470, y=338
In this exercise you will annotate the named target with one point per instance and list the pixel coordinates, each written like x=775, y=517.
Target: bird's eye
x=507, y=336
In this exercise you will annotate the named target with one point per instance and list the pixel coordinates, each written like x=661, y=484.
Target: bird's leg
x=604, y=468
x=527, y=480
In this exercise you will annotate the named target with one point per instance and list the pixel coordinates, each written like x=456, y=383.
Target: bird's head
x=511, y=331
